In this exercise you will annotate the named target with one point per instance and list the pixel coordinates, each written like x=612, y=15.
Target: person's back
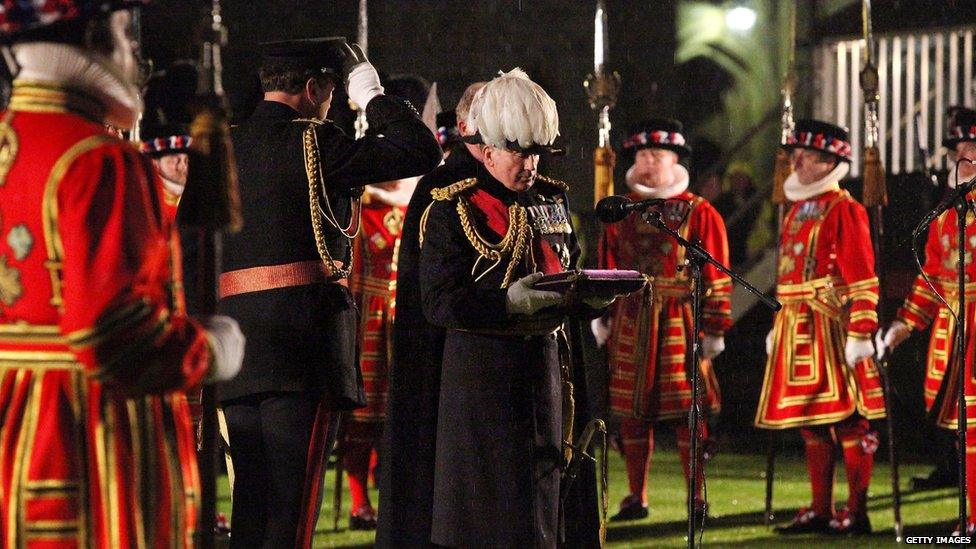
x=407, y=477
x=289, y=348
x=274, y=190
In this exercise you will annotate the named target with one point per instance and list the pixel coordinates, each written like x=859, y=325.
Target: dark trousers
x=276, y=504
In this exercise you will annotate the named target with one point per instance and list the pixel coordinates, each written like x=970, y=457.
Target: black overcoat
x=498, y=446
x=407, y=475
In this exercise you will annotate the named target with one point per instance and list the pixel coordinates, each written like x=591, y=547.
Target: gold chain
x=514, y=245
x=312, y=171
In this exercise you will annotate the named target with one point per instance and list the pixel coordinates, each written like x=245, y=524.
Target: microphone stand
x=962, y=207
x=696, y=258
x=959, y=201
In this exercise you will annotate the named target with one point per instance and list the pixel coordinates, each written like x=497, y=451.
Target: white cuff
x=857, y=349
x=601, y=330
x=712, y=346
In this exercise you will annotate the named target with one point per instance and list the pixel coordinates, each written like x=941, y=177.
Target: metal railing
x=923, y=72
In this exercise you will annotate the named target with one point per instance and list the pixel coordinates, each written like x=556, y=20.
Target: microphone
x=960, y=191
x=614, y=208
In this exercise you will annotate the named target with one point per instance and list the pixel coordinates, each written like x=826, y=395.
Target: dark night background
x=455, y=42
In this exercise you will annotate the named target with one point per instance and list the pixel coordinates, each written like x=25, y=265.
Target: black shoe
x=970, y=530
x=846, y=524
x=805, y=522
x=363, y=519
x=940, y=477
x=631, y=508
x=221, y=528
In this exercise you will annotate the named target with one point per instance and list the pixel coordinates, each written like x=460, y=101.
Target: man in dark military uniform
x=484, y=242
x=407, y=478
x=284, y=275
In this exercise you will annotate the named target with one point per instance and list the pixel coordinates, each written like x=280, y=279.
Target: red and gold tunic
x=171, y=203
x=650, y=338
x=374, y=285
x=96, y=448
x=922, y=307
x=829, y=292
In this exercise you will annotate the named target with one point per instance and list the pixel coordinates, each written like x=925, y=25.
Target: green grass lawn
x=735, y=492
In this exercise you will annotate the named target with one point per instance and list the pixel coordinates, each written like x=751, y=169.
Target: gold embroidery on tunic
x=21, y=241
x=393, y=221
x=8, y=146
x=10, y=286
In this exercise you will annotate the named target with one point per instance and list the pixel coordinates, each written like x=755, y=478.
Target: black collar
x=494, y=187
x=459, y=156
x=275, y=110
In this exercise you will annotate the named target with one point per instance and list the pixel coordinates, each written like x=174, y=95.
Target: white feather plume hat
x=513, y=112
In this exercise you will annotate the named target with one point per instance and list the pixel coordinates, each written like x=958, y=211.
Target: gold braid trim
x=312, y=171
x=561, y=185
x=451, y=191
x=518, y=220
x=514, y=246
x=43, y=97
x=444, y=194
x=423, y=225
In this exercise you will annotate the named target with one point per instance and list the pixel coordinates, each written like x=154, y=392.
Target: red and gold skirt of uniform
x=376, y=330
x=649, y=353
x=941, y=369
x=807, y=381
x=82, y=466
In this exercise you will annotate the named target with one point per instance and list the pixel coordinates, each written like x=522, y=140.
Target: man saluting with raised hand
x=285, y=274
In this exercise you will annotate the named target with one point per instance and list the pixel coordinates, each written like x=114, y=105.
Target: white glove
x=857, y=349
x=880, y=349
x=897, y=333
x=227, y=342
x=363, y=84
x=712, y=346
x=522, y=299
x=601, y=330
x=769, y=343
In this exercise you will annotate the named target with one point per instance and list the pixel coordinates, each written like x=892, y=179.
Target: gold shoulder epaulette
x=451, y=191
x=561, y=185
x=312, y=121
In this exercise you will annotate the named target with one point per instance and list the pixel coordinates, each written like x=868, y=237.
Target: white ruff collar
x=397, y=197
x=74, y=68
x=677, y=186
x=172, y=187
x=952, y=181
x=831, y=182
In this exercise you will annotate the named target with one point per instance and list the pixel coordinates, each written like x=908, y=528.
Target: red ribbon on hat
x=655, y=138
x=822, y=142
